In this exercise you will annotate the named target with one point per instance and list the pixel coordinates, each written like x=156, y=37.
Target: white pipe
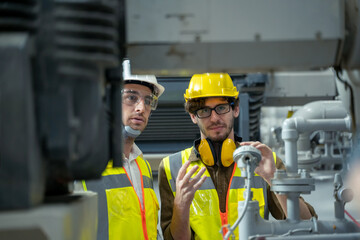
x=304, y=125
x=293, y=207
x=293, y=126
x=321, y=110
x=290, y=136
x=318, y=110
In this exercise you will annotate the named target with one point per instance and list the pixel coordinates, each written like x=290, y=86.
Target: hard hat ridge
x=211, y=85
x=147, y=80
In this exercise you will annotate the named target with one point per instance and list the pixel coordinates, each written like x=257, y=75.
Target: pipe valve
x=247, y=155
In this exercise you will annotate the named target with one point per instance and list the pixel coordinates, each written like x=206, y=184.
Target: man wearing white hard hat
x=128, y=206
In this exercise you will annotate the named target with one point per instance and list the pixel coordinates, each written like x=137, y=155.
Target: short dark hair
x=192, y=105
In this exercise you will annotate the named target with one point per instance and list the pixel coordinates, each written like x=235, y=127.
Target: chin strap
x=129, y=132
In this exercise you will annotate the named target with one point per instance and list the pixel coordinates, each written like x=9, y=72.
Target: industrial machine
x=59, y=99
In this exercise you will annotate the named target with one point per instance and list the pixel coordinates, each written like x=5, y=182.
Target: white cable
x=248, y=193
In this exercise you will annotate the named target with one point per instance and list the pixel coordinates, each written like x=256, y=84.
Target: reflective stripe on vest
x=205, y=206
x=120, y=215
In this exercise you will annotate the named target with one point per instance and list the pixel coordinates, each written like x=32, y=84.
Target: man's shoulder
x=176, y=156
x=171, y=156
x=179, y=153
x=168, y=158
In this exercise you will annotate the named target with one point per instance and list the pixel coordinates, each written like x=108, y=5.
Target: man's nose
x=140, y=105
x=214, y=116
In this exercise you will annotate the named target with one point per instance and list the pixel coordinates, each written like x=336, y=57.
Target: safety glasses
x=219, y=109
x=131, y=97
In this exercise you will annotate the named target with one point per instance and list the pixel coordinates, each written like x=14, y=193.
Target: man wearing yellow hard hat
x=186, y=213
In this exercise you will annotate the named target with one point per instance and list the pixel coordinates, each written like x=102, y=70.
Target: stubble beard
x=218, y=137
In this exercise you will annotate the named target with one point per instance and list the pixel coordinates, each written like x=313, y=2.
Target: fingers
x=198, y=175
x=199, y=183
x=187, y=186
x=249, y=143
x=256, y=144
x=196, y=182
x=185, y=179
x=182, y=170
x=190, y=173
x=260, y=146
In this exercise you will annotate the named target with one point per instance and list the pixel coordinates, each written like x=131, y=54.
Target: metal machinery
x=57, y=60
x=293, y=43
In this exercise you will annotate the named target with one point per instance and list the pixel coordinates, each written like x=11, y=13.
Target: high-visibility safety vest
x=120, y=215
x=205, y=217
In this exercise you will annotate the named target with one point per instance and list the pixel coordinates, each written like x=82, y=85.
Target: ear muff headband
x=207, y=152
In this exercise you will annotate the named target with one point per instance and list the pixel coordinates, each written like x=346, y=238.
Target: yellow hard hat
x=211, y=85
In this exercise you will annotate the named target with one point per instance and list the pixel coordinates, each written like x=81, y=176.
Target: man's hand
x=266, y=168
x=185, y=192
x=187, y=186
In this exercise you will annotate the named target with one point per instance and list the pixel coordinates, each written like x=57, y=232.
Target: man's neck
x=128, y=144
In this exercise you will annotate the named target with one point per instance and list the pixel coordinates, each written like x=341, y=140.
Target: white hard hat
x=147, y=80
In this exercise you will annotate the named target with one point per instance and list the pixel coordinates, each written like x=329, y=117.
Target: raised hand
x=185, y=192
x=187, y=186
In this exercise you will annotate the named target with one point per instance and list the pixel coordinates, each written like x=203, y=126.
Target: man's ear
x=236, y=111
x=193, y=118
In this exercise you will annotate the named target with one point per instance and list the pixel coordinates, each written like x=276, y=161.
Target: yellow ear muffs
x=227, y=150
x=207, y=152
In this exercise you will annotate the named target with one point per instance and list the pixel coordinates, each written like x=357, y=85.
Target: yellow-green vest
x=206, y=219
x=120, y=214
